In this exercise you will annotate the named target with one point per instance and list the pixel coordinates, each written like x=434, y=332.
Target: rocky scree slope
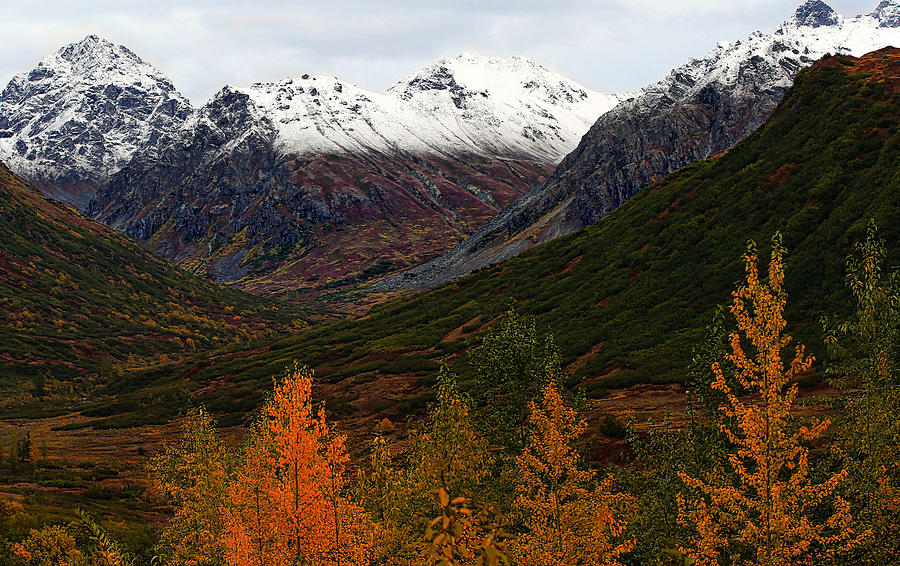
x=701, y=109
x=81, y=114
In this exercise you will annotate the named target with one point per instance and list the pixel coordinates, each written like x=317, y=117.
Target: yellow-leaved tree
x=191, y=475
x=768, y=510
x=570, y=519
x=447, y=455
x=384, y=490
x=866, y=349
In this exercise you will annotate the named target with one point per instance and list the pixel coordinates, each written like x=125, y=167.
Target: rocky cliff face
x=312, y=181
x=82, y=113
x=701, y=109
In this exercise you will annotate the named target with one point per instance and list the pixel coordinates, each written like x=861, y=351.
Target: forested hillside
x=627, y=299
x=80, y=301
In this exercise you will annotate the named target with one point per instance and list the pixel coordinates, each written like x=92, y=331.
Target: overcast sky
x=606, y=45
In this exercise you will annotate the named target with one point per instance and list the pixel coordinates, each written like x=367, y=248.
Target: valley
x=433, y=299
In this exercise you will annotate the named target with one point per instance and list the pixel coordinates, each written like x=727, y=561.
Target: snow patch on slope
x=812, y=32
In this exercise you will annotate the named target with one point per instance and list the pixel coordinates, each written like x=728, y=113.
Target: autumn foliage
x=866, y=350
x=570, y=519
x=748, y=481
x=289, y=506
x=766, y=509
x=279, y=500
x=433, y=508
x=192, y=475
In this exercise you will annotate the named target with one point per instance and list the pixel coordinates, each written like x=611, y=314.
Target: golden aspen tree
x=770, y=512
x=192, y=475
x=448, y=451
x=448, y=455
x=34, y=453
x=568, y=522
x=384, y=490
x=397, y=503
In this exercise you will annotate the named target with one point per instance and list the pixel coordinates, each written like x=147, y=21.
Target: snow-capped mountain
x=509, y=107
x=813, y=31
x=281, y=163
x=702, y=108
x=887, y=13
x=82, y=113
x=471, y=104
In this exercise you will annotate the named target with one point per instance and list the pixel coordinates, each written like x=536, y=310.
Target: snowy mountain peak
x=475, y=73
x=82, y=112
x=91, y=48
x=702, y=108
x=475, y=104
x=815, y=13
x=887, y=13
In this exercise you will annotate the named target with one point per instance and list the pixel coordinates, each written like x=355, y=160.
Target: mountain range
x=627, y=298
x=311, y=180
x=310, y=175
x=280, y=187
x=701, y=109
x=311, y=184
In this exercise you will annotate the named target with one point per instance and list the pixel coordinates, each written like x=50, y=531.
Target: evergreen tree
x=511, y=365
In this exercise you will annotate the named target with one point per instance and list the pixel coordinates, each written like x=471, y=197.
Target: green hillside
x=79, y=301
x=628, y=297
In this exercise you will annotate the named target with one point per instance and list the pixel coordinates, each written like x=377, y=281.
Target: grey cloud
x=606, y=45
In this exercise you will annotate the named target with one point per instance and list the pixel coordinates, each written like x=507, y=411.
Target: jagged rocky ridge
x=82, y=113
x=311, y=181
x=701, y=109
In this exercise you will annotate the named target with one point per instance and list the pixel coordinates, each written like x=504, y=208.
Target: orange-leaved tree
x=289, y=502
x=570, y=520
x=250, y=529
x=348, y=526
x=768, y=511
